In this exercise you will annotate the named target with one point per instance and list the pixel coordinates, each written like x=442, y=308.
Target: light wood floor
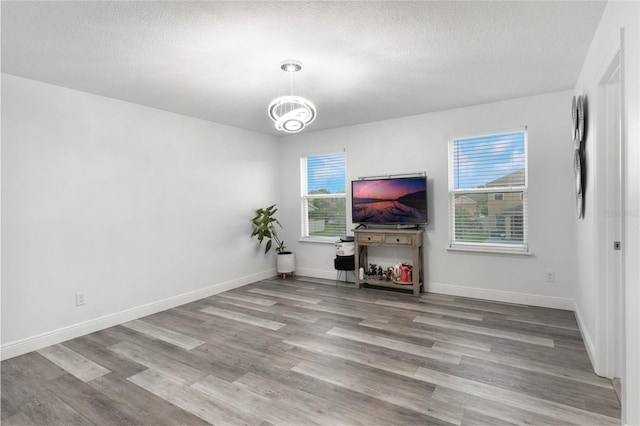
x=302, y=351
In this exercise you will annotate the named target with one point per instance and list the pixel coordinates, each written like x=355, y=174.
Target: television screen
x=389, y=201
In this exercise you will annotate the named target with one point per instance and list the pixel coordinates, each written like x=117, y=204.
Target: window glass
x=323, y=201
x=488, y=192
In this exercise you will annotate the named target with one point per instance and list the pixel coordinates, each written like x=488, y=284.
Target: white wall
x=140, y=208
x=589, y=303
x=419, y=143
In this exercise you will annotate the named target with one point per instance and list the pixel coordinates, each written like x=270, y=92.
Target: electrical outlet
x=550, y=276
x=81, y=298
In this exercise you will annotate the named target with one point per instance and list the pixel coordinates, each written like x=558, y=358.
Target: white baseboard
x=502, y=296
x=319, y=273
x=586, y=338
x=23, y=346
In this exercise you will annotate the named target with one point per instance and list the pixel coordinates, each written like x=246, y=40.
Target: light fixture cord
x=291, y=73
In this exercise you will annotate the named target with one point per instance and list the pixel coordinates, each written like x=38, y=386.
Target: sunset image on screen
x=400, y=200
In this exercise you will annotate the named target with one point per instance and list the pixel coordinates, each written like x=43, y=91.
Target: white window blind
x=488, y=192
x=323, y=201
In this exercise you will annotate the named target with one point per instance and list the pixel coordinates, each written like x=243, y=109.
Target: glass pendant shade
x=291, y=113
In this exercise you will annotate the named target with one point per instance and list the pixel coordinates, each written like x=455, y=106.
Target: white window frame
x=305, y=198
x=507, y=248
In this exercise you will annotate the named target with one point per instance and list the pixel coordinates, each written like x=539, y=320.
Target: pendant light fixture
x=291, y=113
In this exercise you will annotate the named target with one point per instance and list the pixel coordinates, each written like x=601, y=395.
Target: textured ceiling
x=363, y=61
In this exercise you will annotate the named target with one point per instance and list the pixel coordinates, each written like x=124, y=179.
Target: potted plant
x=264, y=229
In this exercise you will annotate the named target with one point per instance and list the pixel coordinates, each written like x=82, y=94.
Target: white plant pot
x=285, y=263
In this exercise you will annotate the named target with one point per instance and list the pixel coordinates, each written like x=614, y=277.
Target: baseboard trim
x=318, y=273
x=502, y=296
x=29, y=344
x=586, y=338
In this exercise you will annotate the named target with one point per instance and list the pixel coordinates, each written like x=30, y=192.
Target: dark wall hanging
x=578, y=115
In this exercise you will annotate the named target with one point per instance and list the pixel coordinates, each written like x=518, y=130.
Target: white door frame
x=610, y=213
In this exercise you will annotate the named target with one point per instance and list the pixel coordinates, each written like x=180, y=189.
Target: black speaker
x=344, y=263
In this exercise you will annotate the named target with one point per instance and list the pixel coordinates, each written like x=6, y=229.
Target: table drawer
x=398, y=239
x=370, y=238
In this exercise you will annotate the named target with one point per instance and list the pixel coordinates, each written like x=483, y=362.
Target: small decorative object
x=373, y=269
x=397, y=271
x=389, y=275
x=406, y=273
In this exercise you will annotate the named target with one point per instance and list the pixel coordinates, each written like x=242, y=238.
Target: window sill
x=319, y=240
x=490, y=250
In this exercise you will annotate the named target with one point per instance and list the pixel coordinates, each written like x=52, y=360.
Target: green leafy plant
x=264, y=228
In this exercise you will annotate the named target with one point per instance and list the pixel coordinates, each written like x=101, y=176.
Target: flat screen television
x=389, y=201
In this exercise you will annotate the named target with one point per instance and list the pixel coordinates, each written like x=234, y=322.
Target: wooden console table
x=409, y=238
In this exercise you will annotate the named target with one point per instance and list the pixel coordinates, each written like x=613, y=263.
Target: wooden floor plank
x=429, y=308
x=543, y=386
x=468, y=340
x=525, y=363
x=23, y=375
x=374, y=359
x=331, y=310
x=248, y=299
x=74, y=363
x=96, y=406
x=519, y=337
x=95, y=347
x=241, y=396
x=46, y=408
x=333, y=404
x=279, y=312
x=558, y=412
x=396, y=345
x=169, y=336
x=145, y=405
x=281, y=294
x=180, y=393
x=158, y=361
x=247, y=319
x=384, y=388
x=18, y=419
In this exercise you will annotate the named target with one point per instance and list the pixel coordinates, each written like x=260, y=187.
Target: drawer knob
x=397, y=240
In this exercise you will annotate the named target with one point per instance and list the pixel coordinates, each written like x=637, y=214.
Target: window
x=488, y=192
x=323, y=181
